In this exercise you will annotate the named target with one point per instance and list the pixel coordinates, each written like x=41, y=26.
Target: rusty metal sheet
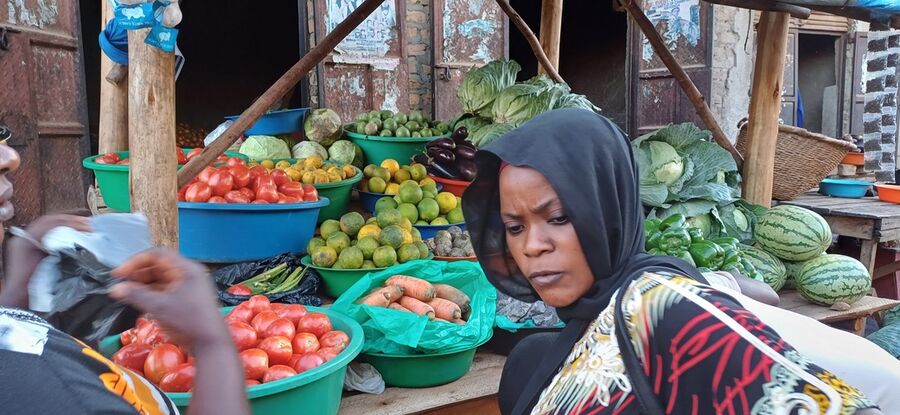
x=368, y=70
x=686, y=26
x=467, y=33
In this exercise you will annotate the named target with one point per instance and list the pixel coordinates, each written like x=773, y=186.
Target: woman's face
x=9, y=162
x=541, y=239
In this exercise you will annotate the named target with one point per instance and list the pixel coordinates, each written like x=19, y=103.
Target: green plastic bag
x=503, y=322
x=396, y=332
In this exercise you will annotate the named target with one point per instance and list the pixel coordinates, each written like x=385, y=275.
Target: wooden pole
x=551, y=28
x=151, y=132
x=113, y=131
x=693, y=94
x=765, y=106
x=277, y=91
x=532, y=40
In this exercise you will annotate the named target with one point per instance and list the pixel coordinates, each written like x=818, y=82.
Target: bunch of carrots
x=438, y=302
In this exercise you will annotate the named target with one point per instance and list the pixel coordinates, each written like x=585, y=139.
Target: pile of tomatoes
x=234, y=182
x=183, y=158
x=274, y=340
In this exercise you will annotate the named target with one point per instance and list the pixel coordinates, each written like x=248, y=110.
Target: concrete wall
x=732, y=67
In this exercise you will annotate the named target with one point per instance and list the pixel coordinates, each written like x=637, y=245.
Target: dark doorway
x=818, y=77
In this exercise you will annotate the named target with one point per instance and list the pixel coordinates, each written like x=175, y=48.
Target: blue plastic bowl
x=428, y=231
x=276, y=122
x=212, y=232
x=851, y=189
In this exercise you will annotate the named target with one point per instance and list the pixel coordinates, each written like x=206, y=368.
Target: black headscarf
x=588, y=161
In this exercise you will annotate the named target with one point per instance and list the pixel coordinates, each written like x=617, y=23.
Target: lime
x=409, y=211
x=423, y=249
x=370, y=229
x=418, y=171
x=421, y=223
x=455, y=216
x=407, y=236
x=406, y=224
x=428, y=209
x=377, y=185
x=368, y=245
x=398, y=200
x=329, y=227
x=408, y=252
x=368, y=264
x=440, y=220
x=313, y=244
x=351, y=223
x=351, y=258
x=383, y=173
x=384, y=256
x=416, y=234
x=401, y=175
x=446, y=201
x=392, y=189
x=385, y=203
x=369, y=171
x=410, y=192
x=429, y=191
x=392, y=236
x=390, y=165
x=338, y=241
x=324, y=256
x=389, y=217
x=373, y=219
x=427, y=181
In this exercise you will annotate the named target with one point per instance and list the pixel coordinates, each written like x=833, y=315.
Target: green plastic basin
x=112, y=179
x=423, y=371
x=377, y=149
x=337, y=281
x=314, y=392
x=339, y=194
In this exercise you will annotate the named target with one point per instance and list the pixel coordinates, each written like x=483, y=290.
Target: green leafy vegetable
x=306, y=149
x=323, y=126
x=488, y=133
x=576, y=101
x=481, y=86
x=265, y=147
x=521, y=102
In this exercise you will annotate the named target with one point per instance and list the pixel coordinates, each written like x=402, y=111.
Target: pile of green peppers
x=673, y=237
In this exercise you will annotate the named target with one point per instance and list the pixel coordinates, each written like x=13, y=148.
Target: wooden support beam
x=533, y=41
x=113, y=131
x=278, y=90
x=151, y=132
x=767, y=5
x=551, y=29
x=765, y=106
x=687, y=85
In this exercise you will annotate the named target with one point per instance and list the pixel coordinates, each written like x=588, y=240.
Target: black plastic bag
x=304, y=294
x=81, y=306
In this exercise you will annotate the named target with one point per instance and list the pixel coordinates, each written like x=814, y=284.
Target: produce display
x=355, y=243
x=408, y=294
x=452, y=243
x=262, y=147
x=310, y=170
x=451, y=158
x=830, y=279
x=237, y=183
x=442, y=209
x=183, y=158
x=276, y=280
x=388, y=177
x=189, y=137
x=386, y=123
x=275, y=341
x=769, y=266
x=793, y=233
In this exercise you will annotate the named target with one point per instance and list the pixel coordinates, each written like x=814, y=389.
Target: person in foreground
x=45, y=371
x=555, y=215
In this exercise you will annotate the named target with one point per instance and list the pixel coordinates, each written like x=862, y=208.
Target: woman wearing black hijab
x=555, y=215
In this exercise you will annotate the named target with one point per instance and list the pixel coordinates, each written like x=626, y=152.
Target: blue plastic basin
x=276, y=122
x=212, y=232
x=851, y=189
x=428, y=231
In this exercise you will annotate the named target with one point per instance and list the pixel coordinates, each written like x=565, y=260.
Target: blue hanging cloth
x=800, y=112
x=114, y=42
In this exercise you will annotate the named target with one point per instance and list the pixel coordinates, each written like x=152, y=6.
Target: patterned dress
x=702, y=354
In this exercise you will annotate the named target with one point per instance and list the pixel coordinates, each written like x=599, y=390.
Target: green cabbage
x=323, y=126
x=306, y=149
x=265, y=147
x=342, y=151
x=472, y=123
x=665, y=163
x=576, y=101
x=485, y=135
x=521, y=102
x=481, y=86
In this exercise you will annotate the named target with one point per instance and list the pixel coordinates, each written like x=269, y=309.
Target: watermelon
x=793, y=270
x=793, y=233
x=768, y=265
x=831, y=279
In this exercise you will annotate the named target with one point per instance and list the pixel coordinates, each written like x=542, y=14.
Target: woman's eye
x=560, y=220
x=514, y=229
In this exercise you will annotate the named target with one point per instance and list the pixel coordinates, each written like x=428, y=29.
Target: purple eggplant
x=460, y=134
x=442, y=155
x=420, y=158
x=445, y=143
x=446, y=171
x=467, y=169
x=464, y=153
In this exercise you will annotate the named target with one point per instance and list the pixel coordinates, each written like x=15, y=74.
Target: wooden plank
x=765, y=105
x=532, y=40
x=867, y=254
x=868, y=305
x=113, y=130
x=482, y=406
x=855, y=227
x=551, y=27
x=482, y=381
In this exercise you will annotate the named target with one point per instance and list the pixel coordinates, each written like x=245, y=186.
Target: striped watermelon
x=768, y=265
x=833, y=278
x=793, y=233
x=793, y=271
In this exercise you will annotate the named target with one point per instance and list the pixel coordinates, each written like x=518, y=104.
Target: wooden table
x=867, y=306
x=868, y=219
x=475, y=393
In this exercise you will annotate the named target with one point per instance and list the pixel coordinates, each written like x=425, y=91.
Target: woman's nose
x=9, y=159
x=537, y=242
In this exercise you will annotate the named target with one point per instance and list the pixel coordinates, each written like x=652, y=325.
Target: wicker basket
x=802, y=159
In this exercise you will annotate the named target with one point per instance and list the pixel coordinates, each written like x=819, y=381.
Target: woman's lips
x=543, y=279
x=6, y=211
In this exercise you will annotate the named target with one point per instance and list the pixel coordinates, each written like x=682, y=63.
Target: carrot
x=398, y=307
x=414, y=287
x=445, y=309
x=454, y=294
x=392, y=292
x=384, y=296
x=417, y=306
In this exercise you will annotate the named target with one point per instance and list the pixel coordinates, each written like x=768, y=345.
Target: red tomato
x=280, y=177
x=248, y=192
x=255, y=362
x=198, y=192
x=242, y=312
x=182, y=194
x=128, y=336
x=315, y=323
x=259, y=202
x=151, y=334
x=239, y=289
x=278, y=372
x=141, y=322
x=308, y=190
x=221, y=159
x=262, y=321
x=294, y=358
x=292, y=312
x=257, y=171
x=243, y=335
x=308, y=361
x=179, y=380
x=267, y=192
x=283, y=198
x=236, y=196
x=262, y=179
x=206, y=173
x=280, y=327
x=241, y=175
x=335, y=339
x=292, y=189
x=124, y=162
x=108, y=158
x=194, y=153
x=162, y=360
x=250, y=382
x=234, y=161
x=217, y=199
x=182, y=158
x=305, y=343
x=221, y=183
x=328, y=353
x=278, y=348
x=259, y=303
x=276, y=306
x=133, y=356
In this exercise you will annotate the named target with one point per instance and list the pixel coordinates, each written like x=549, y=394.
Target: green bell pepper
x=685, y=255
x=675, y=221
x=656, y=252
x=696, y=234
x=731, y=257
x=652, y=242
x=707, y=254
x=674, y=240
x=651, y=226
x=726, y=241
